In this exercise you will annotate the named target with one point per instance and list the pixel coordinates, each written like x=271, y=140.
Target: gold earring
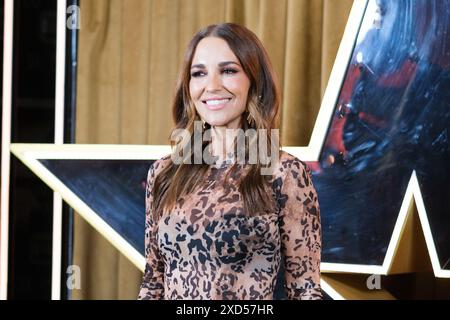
x=249, y=118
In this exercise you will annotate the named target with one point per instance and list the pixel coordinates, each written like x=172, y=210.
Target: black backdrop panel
x=32, y=121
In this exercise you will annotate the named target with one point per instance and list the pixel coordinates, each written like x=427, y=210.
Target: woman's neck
x=222, y=141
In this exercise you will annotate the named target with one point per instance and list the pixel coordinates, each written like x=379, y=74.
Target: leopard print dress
x=207, y=248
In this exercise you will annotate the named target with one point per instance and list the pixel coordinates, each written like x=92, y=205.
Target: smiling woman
x=225, y=231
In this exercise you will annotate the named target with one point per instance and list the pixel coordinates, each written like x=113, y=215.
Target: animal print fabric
x=207, y=248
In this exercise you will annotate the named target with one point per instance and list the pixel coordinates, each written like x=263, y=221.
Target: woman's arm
x=300, y=232
x=152, y=286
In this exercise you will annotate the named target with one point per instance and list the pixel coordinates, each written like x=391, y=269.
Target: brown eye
x=197, y=74
x=229, y=71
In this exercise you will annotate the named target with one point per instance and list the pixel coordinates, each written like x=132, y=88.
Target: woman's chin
x=224, y=123
x=217, y=123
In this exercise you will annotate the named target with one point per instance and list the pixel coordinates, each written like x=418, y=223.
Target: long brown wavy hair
x=177, y=180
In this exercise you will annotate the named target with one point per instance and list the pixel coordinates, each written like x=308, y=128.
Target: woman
x=222, y=230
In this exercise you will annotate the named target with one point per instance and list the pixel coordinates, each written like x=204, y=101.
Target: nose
x=214, y=83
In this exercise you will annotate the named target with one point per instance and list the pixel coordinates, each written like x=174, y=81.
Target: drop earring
x=249, y=118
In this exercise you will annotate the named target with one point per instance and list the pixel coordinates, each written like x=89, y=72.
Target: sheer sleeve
x=301, y=232
x=152, y=286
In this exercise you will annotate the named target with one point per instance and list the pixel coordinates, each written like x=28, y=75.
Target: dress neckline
x=222, y=164
x=228, y=161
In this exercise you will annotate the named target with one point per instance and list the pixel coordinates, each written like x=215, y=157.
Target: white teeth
x=216, y=102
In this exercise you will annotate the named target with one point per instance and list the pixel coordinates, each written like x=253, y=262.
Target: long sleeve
x=152, y=286
x=301, y=232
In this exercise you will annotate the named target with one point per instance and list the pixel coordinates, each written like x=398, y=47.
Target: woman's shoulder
x=159, y=164
x=288, y=162
x=292, y=173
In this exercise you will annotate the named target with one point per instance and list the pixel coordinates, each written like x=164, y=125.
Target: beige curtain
x=128, y=58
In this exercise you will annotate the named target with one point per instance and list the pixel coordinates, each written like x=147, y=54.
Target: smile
x=215, y=104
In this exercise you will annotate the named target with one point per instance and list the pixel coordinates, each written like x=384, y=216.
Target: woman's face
x=218, y=84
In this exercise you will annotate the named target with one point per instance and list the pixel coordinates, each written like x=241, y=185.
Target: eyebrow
x=221, y=64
